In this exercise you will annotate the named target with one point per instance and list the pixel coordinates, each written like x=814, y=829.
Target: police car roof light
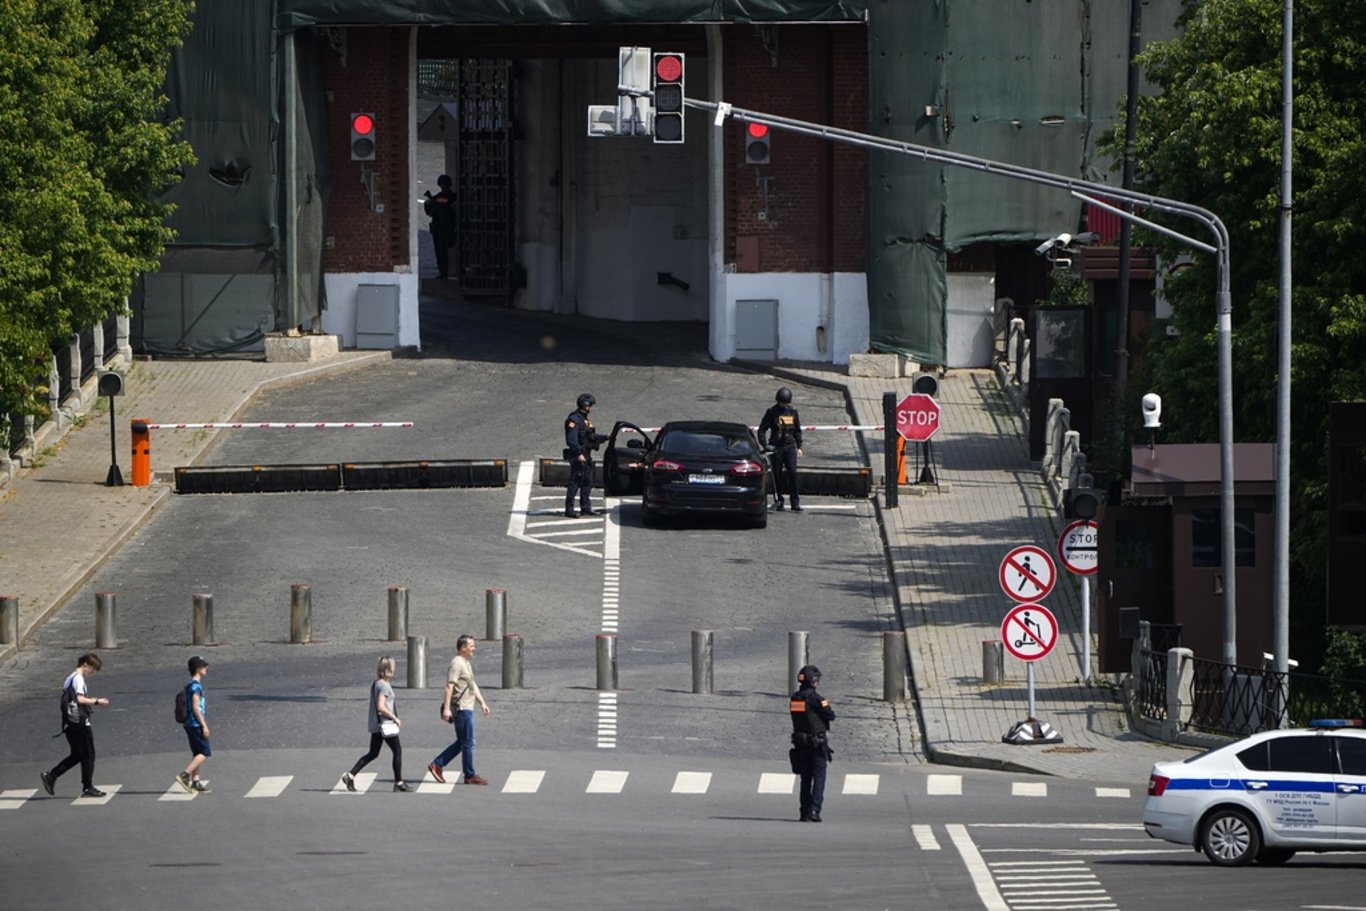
x=1335, y=723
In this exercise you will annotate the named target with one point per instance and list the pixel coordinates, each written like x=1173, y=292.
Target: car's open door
x=623, y=464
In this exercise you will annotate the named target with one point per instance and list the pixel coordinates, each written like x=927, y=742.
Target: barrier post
x=495, y=613
x=201, y=624
x=417, y=663
x=398, y=613
x=104, y=620
x=9, y=620
x=894, y=666
x=993, y=661
x=891, y=470
x=300, y=613
x=702, y=661
x=607, y=661
x=141, y=436
x=797, y=652
x=512, y=662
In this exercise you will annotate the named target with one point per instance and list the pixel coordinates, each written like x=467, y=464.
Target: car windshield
x=705, y=443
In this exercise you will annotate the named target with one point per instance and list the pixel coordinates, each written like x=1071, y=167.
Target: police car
x=1266, y=796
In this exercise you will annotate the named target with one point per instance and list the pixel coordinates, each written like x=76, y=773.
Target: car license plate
x=706, y=479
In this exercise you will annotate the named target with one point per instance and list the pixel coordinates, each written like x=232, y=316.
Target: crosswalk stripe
x=176, y=794
x=692, y=782
x=1029, y=789
x=944, y=785
x=363, y=782
x=606, y=782
x=109, y=791
x=924, y=837
x=1121, y=793
x=777, y=783
x=14, y=799
x=270, y=786
x=430, y=785
x=523, y=781
x=860, y=784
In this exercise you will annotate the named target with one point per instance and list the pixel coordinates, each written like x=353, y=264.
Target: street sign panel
x=1029, y=631
x=917, y=417
x=1027, y=573
x=1079, y=547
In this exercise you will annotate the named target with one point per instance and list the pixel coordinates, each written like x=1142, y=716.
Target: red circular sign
x=1029, y=631
x=1027, y=573
x=668, y=67
x=917, y=417
x=1079, y=548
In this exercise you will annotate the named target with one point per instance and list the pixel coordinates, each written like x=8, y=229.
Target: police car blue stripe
x=1324, y=786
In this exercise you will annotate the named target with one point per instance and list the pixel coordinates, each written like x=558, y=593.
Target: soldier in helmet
x=784, y=429
x=580, y=439
x=811, y=717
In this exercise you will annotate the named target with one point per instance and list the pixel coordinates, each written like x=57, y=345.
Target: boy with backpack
x=76, y=705
x=196, y=728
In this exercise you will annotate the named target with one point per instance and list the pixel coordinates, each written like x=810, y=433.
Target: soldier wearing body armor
x=811, y=717
x=580, y=439
x=784, y=428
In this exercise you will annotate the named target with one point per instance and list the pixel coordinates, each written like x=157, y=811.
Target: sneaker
x=402, y=786
x=200, y=787
x=350, y=781
x=436, y=773
x=778, y=506
x=93, y=792
x=48, y=782
x=183, y=779
x=476, y=779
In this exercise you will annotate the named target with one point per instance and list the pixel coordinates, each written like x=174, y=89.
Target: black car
x=690, y=467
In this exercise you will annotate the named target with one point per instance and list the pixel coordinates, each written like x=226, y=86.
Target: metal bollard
x=607, y=661
x=512, y=662
x=9, y=620
x=701, y=661
x=300, y=613
x=201, y=623
x=796, y=656
x=398, y=613
x=894, y=666
x=495, y=612
x=417, y=663
x=104, y=620
x=993, y=661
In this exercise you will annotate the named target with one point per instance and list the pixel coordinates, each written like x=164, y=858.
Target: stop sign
x=917, y=417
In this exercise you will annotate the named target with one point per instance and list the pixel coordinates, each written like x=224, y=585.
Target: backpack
x=73, y=713
x=182, y=707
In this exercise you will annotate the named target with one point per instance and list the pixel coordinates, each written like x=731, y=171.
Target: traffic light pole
x=1084, y=189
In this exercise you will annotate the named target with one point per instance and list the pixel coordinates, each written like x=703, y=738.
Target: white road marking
x=1121, y=793
x=270, y=786
x=944, y=785
x=176, y=794
x=430, y=785
x=1029, y=789
x=14, y=799
x=109, y=791
x=523, y=781
x=777, y=783
x=363, y=782
x=991, y=897
x=692, y=783
x=924, y=837
x=860, y=784
x=607, y=721
x=518, y=525
x=605, y=781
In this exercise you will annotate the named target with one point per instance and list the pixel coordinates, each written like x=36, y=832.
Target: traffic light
x=362, y=137
x=667, y=81
x=1081, y=503
x=757, y=143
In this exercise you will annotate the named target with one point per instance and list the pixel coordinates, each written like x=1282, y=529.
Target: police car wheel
x=1230, y=838
x=1274, y=857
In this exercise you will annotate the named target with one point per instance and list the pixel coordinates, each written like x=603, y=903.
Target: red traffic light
x=668, y=67
x=363, y=124
x=362, y=137
x=758, y=130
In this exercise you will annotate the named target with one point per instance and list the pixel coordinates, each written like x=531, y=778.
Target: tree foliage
x=1212, y=137
x=84, y=150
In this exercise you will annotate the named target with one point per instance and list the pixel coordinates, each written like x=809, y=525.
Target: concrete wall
x=806, y=304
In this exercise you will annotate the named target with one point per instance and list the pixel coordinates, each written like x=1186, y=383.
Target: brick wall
x=371, y=77
x=816, y=214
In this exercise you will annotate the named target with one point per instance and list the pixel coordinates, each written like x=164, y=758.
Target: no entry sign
x=1029, y=631
x=1027, y=573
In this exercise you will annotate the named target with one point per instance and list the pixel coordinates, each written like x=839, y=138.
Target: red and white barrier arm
x=805, y=427
x=284, y=425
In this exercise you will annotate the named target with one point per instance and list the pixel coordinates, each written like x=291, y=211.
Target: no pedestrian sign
x=1079, y=547
x=1027, y=573
x=1029, y=631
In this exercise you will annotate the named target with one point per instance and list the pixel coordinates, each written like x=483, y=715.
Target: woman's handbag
x=388, y=727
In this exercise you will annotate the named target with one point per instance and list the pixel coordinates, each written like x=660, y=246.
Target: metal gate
x=484, y=184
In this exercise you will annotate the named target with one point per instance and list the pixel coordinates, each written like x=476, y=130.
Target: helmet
x=809, y=674
x=784, y=396
x=585, y=400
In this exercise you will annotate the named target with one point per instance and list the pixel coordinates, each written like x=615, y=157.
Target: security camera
x=1152, y=411
x=1061, y=240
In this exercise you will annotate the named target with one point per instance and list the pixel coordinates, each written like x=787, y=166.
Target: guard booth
x=1160, y=552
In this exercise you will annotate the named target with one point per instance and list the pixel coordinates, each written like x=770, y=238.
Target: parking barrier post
x=417, y=662
x=894, y=666
x=512, y=662
x=300, y=613
x=141, y=437
x=104, y=620
x=993, y=661
x=607, y=661
x=495, y=613
x=398, y=613
x=201, y=619
x=797, y=653
x=702, y=661
x=9, y=620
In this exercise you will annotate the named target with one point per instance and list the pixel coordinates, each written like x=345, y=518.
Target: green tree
x=1212, y=137
x=85, y=150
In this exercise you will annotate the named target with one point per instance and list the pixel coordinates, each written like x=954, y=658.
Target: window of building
x=1205, y=538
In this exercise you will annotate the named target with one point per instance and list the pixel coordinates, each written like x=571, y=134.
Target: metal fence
x=1152, y=685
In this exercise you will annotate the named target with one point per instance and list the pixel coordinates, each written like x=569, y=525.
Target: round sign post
x=1079, y=550
x=1027, y=573
x=1030, y=631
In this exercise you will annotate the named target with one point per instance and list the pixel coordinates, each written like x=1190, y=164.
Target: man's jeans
x=464, y=743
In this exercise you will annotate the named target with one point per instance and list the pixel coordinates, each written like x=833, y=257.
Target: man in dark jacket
x=784, y=428
x=811, y=716
x=580, y=439
x=441, y=209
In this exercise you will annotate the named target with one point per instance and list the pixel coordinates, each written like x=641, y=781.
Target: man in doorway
x=441, y=209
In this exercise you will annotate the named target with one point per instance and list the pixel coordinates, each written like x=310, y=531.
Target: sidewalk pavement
x=944, y=549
